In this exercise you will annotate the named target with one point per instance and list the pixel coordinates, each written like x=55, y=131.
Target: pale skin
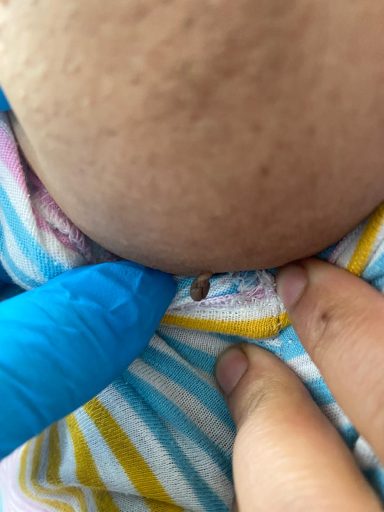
x=213, y=135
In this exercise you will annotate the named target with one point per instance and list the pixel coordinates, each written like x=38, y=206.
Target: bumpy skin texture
x=202, y=134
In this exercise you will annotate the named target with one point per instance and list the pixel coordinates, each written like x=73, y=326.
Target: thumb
x=287, y=456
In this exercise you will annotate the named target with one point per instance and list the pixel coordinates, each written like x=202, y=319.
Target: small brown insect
x=200, y=286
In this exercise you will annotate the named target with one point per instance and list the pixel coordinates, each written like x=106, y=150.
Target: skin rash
x=198, y=134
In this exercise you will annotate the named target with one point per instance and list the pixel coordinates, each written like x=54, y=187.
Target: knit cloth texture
x=160, y=437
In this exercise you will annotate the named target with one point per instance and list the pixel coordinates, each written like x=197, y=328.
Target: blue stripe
x=15, y=271
x=27, y=244
x=183, y=287
x=13, y=268
x=203, y=492
x=167, y=410
x=9, y=291
x=379, y=284
x=190, y=381
x=376, y=478
x=231, y=339
x=350, y=435
x=375, y=269
x=327, y=253
x=320, y=392
x=290, y=345
x=4, y=277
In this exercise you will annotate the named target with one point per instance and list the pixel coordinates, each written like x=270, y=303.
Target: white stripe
x=346, y=248
x=232, y=310
x=365, y=455
x=208, y=343
x=67, y=470
x=46, y=239
x=336, y=416
x=304, y=367
x=129, y=503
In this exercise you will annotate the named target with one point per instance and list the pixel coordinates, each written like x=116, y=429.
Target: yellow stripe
x=86, y=470
x=54, y=456
x=36, y=446
x=158, y=506
x=102, y=499
x=256, y=328
x=54, y=463
x=131, y=460
x=366, y=243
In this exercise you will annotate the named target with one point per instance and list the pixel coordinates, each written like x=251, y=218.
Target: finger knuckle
x=328, y=324
x=260, y=396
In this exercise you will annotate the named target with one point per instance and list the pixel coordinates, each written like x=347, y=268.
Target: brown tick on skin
x=200, y=286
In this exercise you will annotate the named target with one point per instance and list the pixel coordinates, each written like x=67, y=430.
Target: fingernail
x=291, y=283
x=230, y=368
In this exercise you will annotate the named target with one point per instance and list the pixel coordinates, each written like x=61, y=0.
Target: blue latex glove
x=4, y=105
x=64, y=342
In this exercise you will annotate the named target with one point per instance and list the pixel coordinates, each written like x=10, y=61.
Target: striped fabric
x=160, y=437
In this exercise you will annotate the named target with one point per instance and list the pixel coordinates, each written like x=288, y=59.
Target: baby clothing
x=160, y=437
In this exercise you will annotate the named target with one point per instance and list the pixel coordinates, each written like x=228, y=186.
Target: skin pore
x=196, y=135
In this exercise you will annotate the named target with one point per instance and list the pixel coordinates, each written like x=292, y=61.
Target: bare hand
x=287, y=455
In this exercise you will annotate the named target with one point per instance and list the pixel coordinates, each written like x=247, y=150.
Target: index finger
x=64, y=342
x=340, y=320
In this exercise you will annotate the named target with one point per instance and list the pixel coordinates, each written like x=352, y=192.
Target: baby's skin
x=201, y=135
